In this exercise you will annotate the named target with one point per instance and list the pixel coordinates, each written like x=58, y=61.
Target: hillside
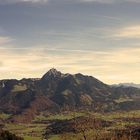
x=56, y=91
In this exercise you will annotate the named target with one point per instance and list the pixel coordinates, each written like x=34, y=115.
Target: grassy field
x=34, y=131
x=28, y=131
x=62, y=116
x=4, y=116
x=54, y=137
x=31, y=138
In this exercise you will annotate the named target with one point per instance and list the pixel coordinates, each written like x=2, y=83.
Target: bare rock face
x=52, y=74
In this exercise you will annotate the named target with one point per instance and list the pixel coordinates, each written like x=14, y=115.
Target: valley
x=36, y=129
x=64, y=106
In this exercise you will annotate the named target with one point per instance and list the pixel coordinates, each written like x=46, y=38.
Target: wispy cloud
x=99, y=1
x=111, y=1
x=34, y=1
x=103, y=65
x=45, y=1
x=134, y=1
x=77, y=36
x=129, y=32
x=19, y=1
x=5, y=40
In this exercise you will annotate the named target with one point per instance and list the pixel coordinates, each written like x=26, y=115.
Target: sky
x=94, y=37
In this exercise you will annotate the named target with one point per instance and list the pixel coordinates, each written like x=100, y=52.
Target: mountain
x=55, y=91
x=127, y=85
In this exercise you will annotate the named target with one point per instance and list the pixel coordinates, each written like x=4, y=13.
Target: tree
x=6, y=135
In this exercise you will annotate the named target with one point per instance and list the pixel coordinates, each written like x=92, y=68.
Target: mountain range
x=127, y=85
x=55, y=91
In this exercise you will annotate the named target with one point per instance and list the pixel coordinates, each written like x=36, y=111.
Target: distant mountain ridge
x=127, y=85
x=56, y=91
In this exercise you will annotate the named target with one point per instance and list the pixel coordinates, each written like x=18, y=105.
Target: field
x=34, y=130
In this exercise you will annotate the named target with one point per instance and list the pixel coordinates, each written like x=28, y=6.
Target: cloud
x=5, y=40
x=34, y=1
x=111, y=1
x=45, y=1
x=99, y=1
x=111, y=66
x=134, y=1
x=19, y=1
x=129, y=32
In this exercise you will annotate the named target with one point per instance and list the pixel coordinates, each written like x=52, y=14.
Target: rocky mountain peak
x=52, y=73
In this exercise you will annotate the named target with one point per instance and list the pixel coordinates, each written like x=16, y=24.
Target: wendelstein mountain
x=26, y=98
